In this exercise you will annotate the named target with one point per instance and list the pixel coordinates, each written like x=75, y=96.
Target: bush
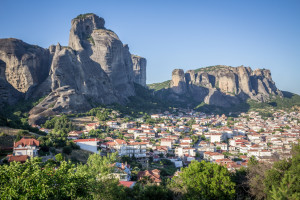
x=67, y=150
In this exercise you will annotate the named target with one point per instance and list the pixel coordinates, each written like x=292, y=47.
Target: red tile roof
x=154, y=175
x=127, y=183
x=27, y=142
x=21, y=159
x=87, y=140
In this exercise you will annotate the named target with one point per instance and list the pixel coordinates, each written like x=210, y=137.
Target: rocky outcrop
x=22, y=67
x=96, y=68
x=76, y=84
x=104, y=47
x=222, y=85
x=178, y=82
x=139, y=69
x=8, y=94
x=26, y=65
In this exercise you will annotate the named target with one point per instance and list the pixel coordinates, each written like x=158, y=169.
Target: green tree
x=282, y=181
x=35, y=180
x=98, y=171
x=203, y=180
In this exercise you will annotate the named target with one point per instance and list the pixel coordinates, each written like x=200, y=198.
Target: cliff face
x=139, y=69
x=22, y=68
x=96, y=68
x=222, y=85
x=104, y=47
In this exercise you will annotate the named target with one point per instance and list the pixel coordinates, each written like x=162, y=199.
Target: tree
x=203, y=180
x=35, y=180
x=98, y=171
x=149, y=191
x=282, y=181
x=256, y=175
x=67, y=150
x=288, y=188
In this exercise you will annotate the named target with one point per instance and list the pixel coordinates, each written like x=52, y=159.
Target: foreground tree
x=98, y=171
x=283, y=179
x=203, y=180
x=278, y=181
x=34, y=180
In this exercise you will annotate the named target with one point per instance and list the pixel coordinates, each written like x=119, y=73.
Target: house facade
x=26, y=146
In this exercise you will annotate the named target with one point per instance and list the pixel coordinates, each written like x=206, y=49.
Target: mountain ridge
x=218, y=85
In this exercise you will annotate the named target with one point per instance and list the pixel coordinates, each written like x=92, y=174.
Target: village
x=180, y=137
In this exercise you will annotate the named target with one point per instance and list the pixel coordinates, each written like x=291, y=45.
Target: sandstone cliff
x=96, y=68
x=139, y=69
x=222, y=85
x=104, y=47
x=22, y=68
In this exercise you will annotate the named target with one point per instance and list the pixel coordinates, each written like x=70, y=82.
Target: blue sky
x=176, y=34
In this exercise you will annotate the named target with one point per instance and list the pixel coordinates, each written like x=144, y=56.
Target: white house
x=166, y=142
x=112, y=124
x=211, y=156
x=181, y=151
x=215, y=137
x=88, y=144
x=136, y=149
x=26, y=146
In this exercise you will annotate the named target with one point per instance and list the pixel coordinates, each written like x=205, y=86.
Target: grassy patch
x=159, y=86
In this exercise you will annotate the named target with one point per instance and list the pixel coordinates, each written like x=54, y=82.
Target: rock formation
x=89, y=36
x=22, y=68
x=96, y=68
x=139, y=69
x=178, y=82
x=222, y=85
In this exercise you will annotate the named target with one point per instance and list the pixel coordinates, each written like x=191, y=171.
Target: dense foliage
x=60, y=124
x=203, y=180
x=16, y=116
x=278, y=181
x=35, y=180
x=200, y=180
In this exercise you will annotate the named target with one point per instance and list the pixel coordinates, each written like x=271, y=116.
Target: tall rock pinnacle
x=139, y=69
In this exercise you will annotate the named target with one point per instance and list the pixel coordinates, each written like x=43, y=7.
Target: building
x=75, y=134
x=88, y=144
x=216, y=137
x=150, y=175
x=182, y=151
x=112, y=124
x=166, y=142
x=212, y=156
x=92, y=126
x=26, y=146
x=20, y=158
x=121, y=171
x=136, y=149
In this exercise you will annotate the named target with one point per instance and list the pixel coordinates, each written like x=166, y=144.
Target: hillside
x=159, y=86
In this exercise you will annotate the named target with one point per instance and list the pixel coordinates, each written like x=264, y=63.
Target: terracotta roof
x=127, y=183
x=27, y=142
x=87, y=140
x=154, y=175
x=21, y=159
x=118, y=141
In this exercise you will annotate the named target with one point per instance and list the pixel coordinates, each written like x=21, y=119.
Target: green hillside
x=159, y=86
